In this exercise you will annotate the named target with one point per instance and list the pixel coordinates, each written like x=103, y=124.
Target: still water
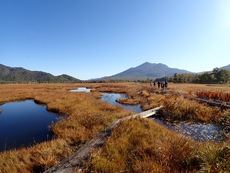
x=112, y=97
x=24, y=123
x=81, y=89
x=196, y=131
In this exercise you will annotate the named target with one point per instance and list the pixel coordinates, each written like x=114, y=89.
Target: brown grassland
x=137, y=145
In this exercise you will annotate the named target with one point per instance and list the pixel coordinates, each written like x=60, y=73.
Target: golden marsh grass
x=137, y=145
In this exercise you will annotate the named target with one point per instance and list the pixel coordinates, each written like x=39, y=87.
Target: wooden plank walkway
x=76, y=161
x=212, y=103
x=209, y=102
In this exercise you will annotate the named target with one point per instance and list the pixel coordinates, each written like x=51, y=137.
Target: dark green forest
x=217, y=76
x=21, y=75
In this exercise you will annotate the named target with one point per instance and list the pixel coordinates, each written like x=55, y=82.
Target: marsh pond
x=24, y=123
x=196, y=131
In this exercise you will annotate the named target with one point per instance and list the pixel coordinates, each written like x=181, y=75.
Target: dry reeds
x=34, y=159
x=143, y=146
x=179, y=108
x=85, y=117
x=134, y=146
x=219, y=96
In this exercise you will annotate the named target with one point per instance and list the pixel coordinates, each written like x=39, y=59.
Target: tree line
x=217, y=76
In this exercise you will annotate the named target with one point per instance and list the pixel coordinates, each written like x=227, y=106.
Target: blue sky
x=95, y=38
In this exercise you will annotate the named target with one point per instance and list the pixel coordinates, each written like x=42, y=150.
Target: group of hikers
x=162, y=85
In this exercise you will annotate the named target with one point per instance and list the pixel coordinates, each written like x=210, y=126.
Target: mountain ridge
x=21, y=75
x=146, y=70
x=150, y=71
x=227, y=67
x=141, y=72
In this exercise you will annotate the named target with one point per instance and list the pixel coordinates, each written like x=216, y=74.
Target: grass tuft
x=140, y=145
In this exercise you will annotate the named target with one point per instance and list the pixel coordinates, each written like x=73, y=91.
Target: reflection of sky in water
x=197, y=131
x=24, y=123
x=112, y=97
x=81, y=89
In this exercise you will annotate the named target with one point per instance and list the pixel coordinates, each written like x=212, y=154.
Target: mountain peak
x=146, y=70
x=153, y=64
x=146, y=63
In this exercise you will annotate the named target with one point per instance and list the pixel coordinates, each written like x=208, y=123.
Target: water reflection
x=24, y=123
x=81, y=89
x=112, y=97
x=197, y=131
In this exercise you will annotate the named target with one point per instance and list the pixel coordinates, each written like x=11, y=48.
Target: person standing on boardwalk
x=163, y=86
x=166, y=84
x=159, y=84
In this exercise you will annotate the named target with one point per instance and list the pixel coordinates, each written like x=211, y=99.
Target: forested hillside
x=21, y=75
x=216, y=76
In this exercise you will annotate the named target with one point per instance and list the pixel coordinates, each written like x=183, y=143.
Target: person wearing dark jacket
x=166, y=84
x=159, y=84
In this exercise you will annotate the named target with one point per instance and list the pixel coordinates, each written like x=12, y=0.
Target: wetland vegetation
x=138, y=145
x=195, y=130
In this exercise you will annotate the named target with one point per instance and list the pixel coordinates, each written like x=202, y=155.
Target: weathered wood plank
x=209, y=102
x=213, y=103
x=77, y=159
x=150, y=112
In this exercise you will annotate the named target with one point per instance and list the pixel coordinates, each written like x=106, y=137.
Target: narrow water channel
x=81, y=89
x=196, y=131
x=112, y=97
x=24, y=123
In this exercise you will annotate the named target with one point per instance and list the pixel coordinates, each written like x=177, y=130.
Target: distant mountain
x=227, y=67
x=21, y=75
x=146, y=70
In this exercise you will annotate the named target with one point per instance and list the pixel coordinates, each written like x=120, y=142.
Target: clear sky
x=96, y=38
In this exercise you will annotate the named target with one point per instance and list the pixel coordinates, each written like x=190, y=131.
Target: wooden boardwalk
x=77, y=160
x=209, y=102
